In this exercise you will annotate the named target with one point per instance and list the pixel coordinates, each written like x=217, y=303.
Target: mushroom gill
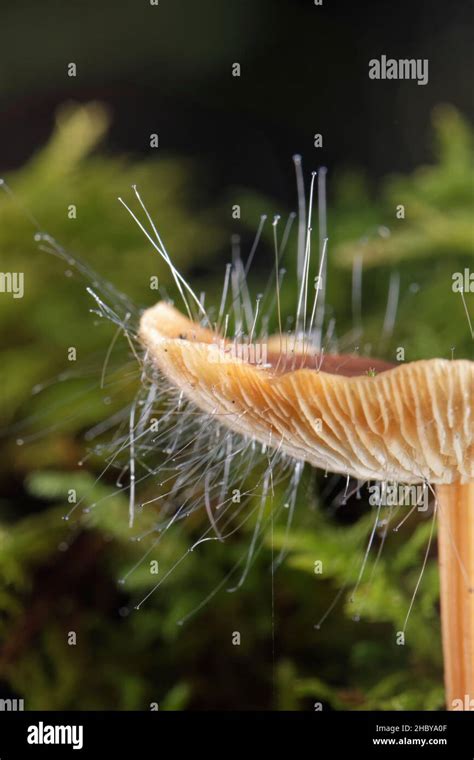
x=366, y=418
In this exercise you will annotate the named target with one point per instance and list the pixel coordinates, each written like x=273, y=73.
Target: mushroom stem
x=456, y=568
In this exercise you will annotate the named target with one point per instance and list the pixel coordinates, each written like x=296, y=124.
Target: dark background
x=167, y=69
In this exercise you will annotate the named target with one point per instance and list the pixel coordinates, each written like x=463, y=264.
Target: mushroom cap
x=409, y=423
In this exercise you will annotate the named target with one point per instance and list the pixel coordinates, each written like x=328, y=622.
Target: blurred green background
x=221, y=143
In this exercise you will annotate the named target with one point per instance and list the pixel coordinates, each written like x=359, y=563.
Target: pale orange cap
x=410, y=423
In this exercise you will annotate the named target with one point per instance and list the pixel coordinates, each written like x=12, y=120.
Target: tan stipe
x=456, y=569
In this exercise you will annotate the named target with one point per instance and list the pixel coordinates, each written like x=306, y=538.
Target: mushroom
x=408, y=423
